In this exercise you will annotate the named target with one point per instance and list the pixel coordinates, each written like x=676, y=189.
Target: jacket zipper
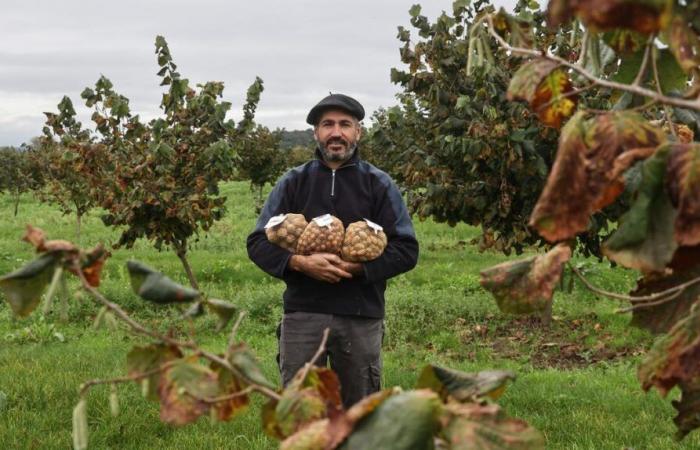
x=333, y=184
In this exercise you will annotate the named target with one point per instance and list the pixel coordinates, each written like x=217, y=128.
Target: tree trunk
x=546, y=317
x=259, y=203
x=77, y=227
x=181, y=251
x=17, y=203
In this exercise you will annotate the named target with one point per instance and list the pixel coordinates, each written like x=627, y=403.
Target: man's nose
x=336, y=131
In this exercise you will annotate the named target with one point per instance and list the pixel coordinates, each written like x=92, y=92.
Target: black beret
x=336, y=101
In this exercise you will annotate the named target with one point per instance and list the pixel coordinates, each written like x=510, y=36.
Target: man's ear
x=316, y=133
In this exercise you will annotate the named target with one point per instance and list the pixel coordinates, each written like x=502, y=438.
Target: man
x=323, y=291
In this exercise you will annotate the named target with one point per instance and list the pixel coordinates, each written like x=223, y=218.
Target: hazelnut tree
x=645, y=57
x=159, y=180
x=260, y=160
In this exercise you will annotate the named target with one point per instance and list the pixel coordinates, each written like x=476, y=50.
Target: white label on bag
x=324, y=221
x=276, y=220
x=374, y=226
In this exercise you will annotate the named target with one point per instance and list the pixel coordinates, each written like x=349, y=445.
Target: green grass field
x=576, y=381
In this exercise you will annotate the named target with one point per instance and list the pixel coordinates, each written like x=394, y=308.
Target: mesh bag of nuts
x=324, y=234
x=364, y=241
x=285, y=229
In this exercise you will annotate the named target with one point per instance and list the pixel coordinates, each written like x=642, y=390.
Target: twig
x=140, y=329
x=667, y=113
x=228, y=397
x=675, y=291
x=692, y=104
x=234, y=329
x=90, y=383
x=645, y=61
x=649, y=304
x=319, y=352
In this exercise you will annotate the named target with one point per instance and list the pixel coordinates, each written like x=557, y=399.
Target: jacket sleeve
x=266, y=255
x=401, y=253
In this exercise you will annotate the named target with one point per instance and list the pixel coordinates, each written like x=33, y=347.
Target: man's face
x=337, y=134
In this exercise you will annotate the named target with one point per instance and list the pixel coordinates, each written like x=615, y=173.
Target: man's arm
x=275, y=260
x=401, y=253
x=266, y=255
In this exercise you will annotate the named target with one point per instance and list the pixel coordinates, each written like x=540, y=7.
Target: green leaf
x=526, y=286
x=644, y=238
x=141, y=360
x=243, y=360
x=463, y=386
x=671, y=75
x=624, y=42
x=156, y=287
x=405, y=421
x=23, y=287
x=484, y=426
x=415, y=10
x=183, y=388
x=224, y=310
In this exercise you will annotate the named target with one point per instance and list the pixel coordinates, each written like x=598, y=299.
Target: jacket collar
x=350, y=162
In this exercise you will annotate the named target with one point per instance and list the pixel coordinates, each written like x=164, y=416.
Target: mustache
x=336, y=141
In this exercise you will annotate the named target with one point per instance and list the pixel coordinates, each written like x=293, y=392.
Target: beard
x=336, y=156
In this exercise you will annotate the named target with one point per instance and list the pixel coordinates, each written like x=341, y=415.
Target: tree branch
x=647, y=300
x=692, y=104
x=140, y=329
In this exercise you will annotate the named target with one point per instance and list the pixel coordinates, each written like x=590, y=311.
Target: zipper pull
x=333, y=184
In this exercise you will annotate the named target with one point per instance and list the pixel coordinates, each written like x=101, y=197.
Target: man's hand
x=350, y=267
x=321, y=266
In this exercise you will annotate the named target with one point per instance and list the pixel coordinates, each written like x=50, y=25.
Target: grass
x=576, y=381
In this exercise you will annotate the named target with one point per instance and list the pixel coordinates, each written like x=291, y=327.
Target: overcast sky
x=302, y=49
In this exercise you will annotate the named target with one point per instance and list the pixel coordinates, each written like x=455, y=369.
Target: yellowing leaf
x=228, y=386
x=674, y=357
x=141, y=360
x=182, y=390
x=586, y=175
x=662, y=317
x=462, y=386
x=526, y=286
x=468, y=426
x=551, y=101
x=683, y=183
x=644, y=16
x=684, y=43
x=544, y=85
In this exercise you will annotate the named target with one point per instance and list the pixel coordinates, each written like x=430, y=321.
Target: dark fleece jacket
x=357, y=190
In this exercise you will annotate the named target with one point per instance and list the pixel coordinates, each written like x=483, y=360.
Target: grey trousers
x=353, y=349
